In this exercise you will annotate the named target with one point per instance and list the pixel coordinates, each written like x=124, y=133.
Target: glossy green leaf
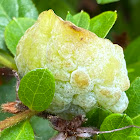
x=133, y=71
x=101, y=24
x=14, y=8
x=15, y=30
x=37, y=89
x=42, y=128
x=7, y=60
x=106, y=1
x=136, y=121
x=96, y=117
x=21, y=131
x=69, y=17
x=115, y=121
x=81, y=19
x=132, y=52
x=133, y=109
x=7, y=94
x=133, y=138
x=133, y=95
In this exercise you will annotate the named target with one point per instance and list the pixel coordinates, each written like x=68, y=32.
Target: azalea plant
x=65, y=79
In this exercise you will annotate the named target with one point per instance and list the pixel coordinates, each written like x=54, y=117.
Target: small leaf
x=132, y=52
x=115, y=121
x=15, y=30
x=101, y=24
x=37, y=89
x=42, y=128
x=133, y=71
x=21, y=131
x=134, y=99
x=14, y=8
x=26, y=8
x=106, y=1
x=81, y=19
x=70, y=18
x=7, y=60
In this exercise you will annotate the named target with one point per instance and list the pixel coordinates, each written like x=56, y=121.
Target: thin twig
x=16, y=119
x=17, y=83
x=110, y=131
x=88, y=132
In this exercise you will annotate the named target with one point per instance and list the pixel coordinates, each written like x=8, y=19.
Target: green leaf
x=7, y=60
x=81, y=19
x=42, y=128
x=133, y=109
x=7, y=94
x=15, y=30
x=132, y=52
x=115, y=121
x=14, y=8
x=21, y=131
x=101, y=24
x=136, y=121
x=37, y=89
x=133, y=138
x=133, y=95
x=106, y=1
x=96, y=117
x=69, y=17
x=26, y=8
x=133, y=71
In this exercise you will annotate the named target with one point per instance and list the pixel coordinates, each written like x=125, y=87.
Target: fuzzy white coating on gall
x=88, y=70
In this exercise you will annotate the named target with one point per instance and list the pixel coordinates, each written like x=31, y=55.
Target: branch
x=17, y=83
x=68, y=129
x=87, y=132
x=17, y=118
x=130, y=126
